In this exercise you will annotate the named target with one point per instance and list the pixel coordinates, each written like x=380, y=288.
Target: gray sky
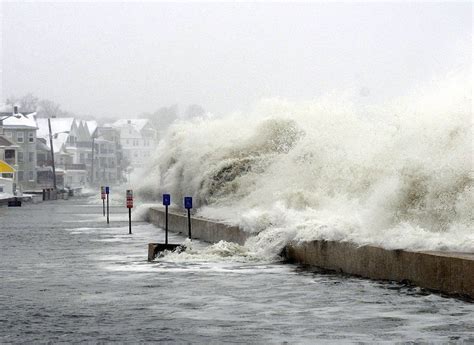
x=121, y=59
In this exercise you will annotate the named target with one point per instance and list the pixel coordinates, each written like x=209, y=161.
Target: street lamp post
x=93, y=151
x=52, y=152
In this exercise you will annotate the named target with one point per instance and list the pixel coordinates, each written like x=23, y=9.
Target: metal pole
x=189, y=223
x=129, y=221
x=107, y=208
x=103, y=206
x=52, y=152
x=166, y=224
x=92, y=164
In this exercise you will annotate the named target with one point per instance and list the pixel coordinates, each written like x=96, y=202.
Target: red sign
x=129, y=198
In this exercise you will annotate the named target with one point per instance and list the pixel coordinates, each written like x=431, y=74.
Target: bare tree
x=47, y=108
x=163, y=117
x=28, y=103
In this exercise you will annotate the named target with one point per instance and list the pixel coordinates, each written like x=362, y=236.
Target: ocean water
x=397, y=175
x=67, y=277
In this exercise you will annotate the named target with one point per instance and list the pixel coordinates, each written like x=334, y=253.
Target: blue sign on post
x=188, y=202
x=166, y=199
x=107, y=189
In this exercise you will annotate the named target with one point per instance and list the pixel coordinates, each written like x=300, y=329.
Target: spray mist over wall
x=397, y=175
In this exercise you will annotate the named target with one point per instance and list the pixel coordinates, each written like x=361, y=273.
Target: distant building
x=44, y=170
x=108, y=160
x=22, y=132
x=138, y=139
x=7, y=180
x=8, y=152
x=71, y=149
x=8, y=166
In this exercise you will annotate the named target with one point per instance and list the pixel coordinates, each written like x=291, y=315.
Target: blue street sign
x=107, y=189
x=166, y=199
x=188, y=202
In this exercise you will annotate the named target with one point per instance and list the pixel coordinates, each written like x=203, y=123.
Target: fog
x=122, y=59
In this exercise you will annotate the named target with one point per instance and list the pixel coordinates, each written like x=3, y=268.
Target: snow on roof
x=58, y=125
x=138, y=124
x=24, y=121
x=92, y=125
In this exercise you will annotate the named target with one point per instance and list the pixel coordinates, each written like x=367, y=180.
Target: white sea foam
x=398, y=175
x=219, y=252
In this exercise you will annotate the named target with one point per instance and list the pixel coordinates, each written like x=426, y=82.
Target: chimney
x=15, y=109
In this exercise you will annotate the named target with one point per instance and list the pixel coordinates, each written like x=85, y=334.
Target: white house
x=138, y=140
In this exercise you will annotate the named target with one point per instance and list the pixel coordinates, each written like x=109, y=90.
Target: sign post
x=129, y=206
x=188, y=204
x=102, y=196
x=166, y=202
x=107, y=190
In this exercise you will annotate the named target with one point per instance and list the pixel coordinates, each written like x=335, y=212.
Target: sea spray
x=398, y=175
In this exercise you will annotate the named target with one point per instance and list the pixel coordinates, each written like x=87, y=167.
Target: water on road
x=67, y=276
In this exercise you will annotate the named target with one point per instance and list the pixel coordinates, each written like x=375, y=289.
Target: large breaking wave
x=397, y=175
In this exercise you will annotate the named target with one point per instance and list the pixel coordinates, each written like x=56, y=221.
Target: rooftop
x=5, y=142
x=25, y=121
x=138, y=124
x=58, y=125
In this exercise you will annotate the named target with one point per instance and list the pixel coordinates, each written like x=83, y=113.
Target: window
x=20, y=157
x=31, y=137
x=10, y=156
x=128, y=142
x=8, y=134
x=1, y=188
x=31, y=175
x=20, y=137
x=31, y=156
x=20, y=176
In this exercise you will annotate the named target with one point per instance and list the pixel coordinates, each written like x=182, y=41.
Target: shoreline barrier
x=203, y=229
x=446, y=272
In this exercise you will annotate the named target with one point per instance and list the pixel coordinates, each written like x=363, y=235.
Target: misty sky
x=121, y=59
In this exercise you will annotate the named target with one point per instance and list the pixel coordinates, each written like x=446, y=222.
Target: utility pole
x=92, y=165
x=52, y=152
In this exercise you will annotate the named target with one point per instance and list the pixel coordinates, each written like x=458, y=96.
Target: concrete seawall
x=203, y=229
x=451, y=273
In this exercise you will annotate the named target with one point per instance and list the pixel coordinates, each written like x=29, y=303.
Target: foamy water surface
x=67, y=280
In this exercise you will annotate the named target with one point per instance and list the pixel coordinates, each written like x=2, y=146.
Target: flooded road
x=67, y=276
